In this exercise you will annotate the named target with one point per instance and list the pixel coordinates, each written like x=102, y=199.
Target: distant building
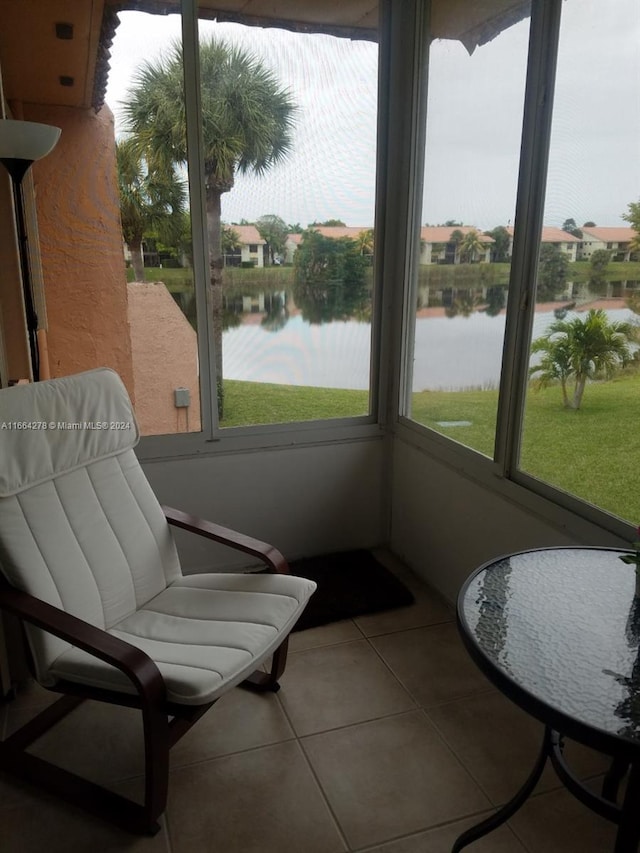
x=252, y=247
x=567, y=243
x=334, y=232
x=291, y=246
x=437, y=247
x=338, y=231
x=614, y=240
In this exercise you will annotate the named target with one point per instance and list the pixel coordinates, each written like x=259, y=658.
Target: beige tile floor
x=384, y=738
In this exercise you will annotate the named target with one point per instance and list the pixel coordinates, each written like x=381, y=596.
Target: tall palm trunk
x=251, y=132
x=137, y=260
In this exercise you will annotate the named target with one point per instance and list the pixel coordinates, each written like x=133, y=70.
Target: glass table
x=557, y=631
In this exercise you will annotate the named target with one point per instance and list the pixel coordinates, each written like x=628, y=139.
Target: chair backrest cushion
x=79, y=524
x=86, y=417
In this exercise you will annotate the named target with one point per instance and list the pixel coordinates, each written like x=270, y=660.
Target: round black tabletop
x=558, y=631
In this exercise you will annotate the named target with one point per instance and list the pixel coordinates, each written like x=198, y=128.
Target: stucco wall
x=165, y=357
x=444, y=524
x=304, y=500
x=81, y=244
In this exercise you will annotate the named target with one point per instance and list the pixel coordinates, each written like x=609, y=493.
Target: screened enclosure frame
x=404, y=35
x=212, y=437
x=502, y=472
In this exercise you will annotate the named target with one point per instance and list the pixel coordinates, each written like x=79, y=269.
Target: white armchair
x=88, y=563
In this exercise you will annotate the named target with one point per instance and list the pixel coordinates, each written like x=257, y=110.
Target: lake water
x=451, y=353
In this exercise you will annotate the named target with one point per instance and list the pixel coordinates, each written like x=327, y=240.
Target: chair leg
x=268, y=681
x=81, y=792
x=156, y=765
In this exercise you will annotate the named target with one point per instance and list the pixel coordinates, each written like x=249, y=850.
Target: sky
x=473, y=124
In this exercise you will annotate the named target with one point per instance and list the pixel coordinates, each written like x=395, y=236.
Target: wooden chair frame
x=164, y=723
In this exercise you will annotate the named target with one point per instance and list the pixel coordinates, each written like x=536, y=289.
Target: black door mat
x=350, y=584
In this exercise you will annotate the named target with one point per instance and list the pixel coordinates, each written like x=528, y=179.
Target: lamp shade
x=26, y=140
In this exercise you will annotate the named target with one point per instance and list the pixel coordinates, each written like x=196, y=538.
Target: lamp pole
x=25, y=265
x=21, y=144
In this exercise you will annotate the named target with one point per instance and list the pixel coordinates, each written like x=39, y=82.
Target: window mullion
x=403, y=107
x=530, y=200
x=193, y=118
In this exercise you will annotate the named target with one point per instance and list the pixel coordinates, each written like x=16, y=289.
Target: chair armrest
x=132, y=661
x=262, y=550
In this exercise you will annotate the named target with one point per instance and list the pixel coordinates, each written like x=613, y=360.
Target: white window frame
x=501, y=474
x=212, y=438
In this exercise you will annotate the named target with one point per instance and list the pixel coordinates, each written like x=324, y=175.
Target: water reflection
x=469, y=290
x=463, y=298
x=496, y=301
x=459, y=329
x=270, y=306
x=461, y=303
x=277, y=315
x=332, y=301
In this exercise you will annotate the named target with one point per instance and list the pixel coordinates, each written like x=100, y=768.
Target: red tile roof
x=248, y=234
x=552, y=235
x=337, y=231
x=609, y=235
x=442, y=233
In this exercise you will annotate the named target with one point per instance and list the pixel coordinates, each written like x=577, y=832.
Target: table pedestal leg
x=509, y=809
x=614, y=776
x=628, y=837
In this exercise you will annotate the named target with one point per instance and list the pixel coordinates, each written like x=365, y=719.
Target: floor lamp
x=21, y=143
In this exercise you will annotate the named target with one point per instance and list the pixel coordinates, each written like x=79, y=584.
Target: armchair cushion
x=205, y=632
x=98, y=423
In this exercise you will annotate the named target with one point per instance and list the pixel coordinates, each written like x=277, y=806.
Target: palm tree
x=247, y=121
x=230, y=241
x=582, y=349
x=365, y=241
x=456, y=237
x=150, y=200
x=632, y=216
x=436, y=250
x=471, y=245
x=273, y=230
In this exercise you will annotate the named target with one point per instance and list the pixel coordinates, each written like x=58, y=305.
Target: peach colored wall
x=165, y=357
x=81, y=244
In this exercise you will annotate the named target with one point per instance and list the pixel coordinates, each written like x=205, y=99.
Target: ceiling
x=34, y=60
x=473, y=22
x=69, y=66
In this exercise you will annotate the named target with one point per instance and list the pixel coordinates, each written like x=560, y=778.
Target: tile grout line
x=341, y=833
x=316, y=779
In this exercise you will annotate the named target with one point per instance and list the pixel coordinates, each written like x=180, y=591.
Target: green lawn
x=590, y=453
x=262, y=403
x=479, y=408
x=175, y=278
x=616, y=271
x=238, y=279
